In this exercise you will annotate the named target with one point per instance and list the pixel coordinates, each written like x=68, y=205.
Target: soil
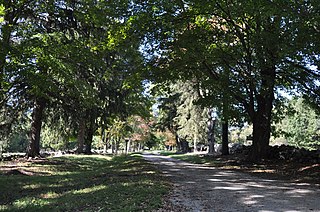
x=290, y=170
x=236, y=185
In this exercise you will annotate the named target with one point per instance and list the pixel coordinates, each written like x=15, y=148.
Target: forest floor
x=230, y=184
x=290, y=170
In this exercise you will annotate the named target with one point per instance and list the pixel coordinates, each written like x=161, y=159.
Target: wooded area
x=112, y=77
x=72, y=71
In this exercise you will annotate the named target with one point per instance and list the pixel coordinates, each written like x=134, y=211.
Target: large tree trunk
x=88, y=147
x=225, y=142
x=225, y=125
x=262, y=117
x=184, y=145
x=90, y=133
x=34, y=144
x=117, y=141
x=127, y=147
x=81, y=135
x=211, y=139
x=261, y=137
x=88, y=141
x=261, y=130
x=179, y=147
x=105, y=141
x=106, y=145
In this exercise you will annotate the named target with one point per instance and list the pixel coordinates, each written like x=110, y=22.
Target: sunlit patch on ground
x=73, y=183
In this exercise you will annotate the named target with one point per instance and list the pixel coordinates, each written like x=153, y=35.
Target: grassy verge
x=81, y=183
x=197, y=159
x=168, y=153
x=192, y=158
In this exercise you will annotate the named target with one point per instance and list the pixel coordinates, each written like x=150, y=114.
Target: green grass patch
x=197, y=159
x=169, y=153
x=192, y=158
x=81, y=183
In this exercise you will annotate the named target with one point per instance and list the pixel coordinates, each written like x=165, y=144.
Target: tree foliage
x=70, y=63
x=85, y=64
x=246, y=49
x=301, y=126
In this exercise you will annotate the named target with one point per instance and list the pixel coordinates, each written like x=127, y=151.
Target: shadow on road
x=204, y=188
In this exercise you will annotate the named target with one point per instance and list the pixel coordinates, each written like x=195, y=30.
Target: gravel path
x=203, y=188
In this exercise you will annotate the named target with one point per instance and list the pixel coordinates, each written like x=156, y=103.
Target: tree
x=141, y=132
x=301, y=126
x=167, y=112
x=180, y=113
x=61, y=56
x=191, y=117
x=19, y=67
x=260, y=45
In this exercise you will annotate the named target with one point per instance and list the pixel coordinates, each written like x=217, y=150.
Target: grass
x=192, y=158
x=81, y=183
x=197, y=159
x=169, y=153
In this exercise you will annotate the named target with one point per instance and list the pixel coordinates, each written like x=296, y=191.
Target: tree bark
x=225, y=141
x=105, y=148
x=37, y=114
x=103, y=138
x=211, y=139
x=225, y=126
x=81, y=135
x=195, y=140
x=179, y=147
x=116, y=145
x=261, y=130
x=261, y=137
x=90, y=133
x=262, y=117
x=113, y=145
x=105, y=141
x=1, y=150
x=88, y=141
x=129, y=145
x=126, y=147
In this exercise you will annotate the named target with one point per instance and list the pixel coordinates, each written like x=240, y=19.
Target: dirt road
x=203, y=188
